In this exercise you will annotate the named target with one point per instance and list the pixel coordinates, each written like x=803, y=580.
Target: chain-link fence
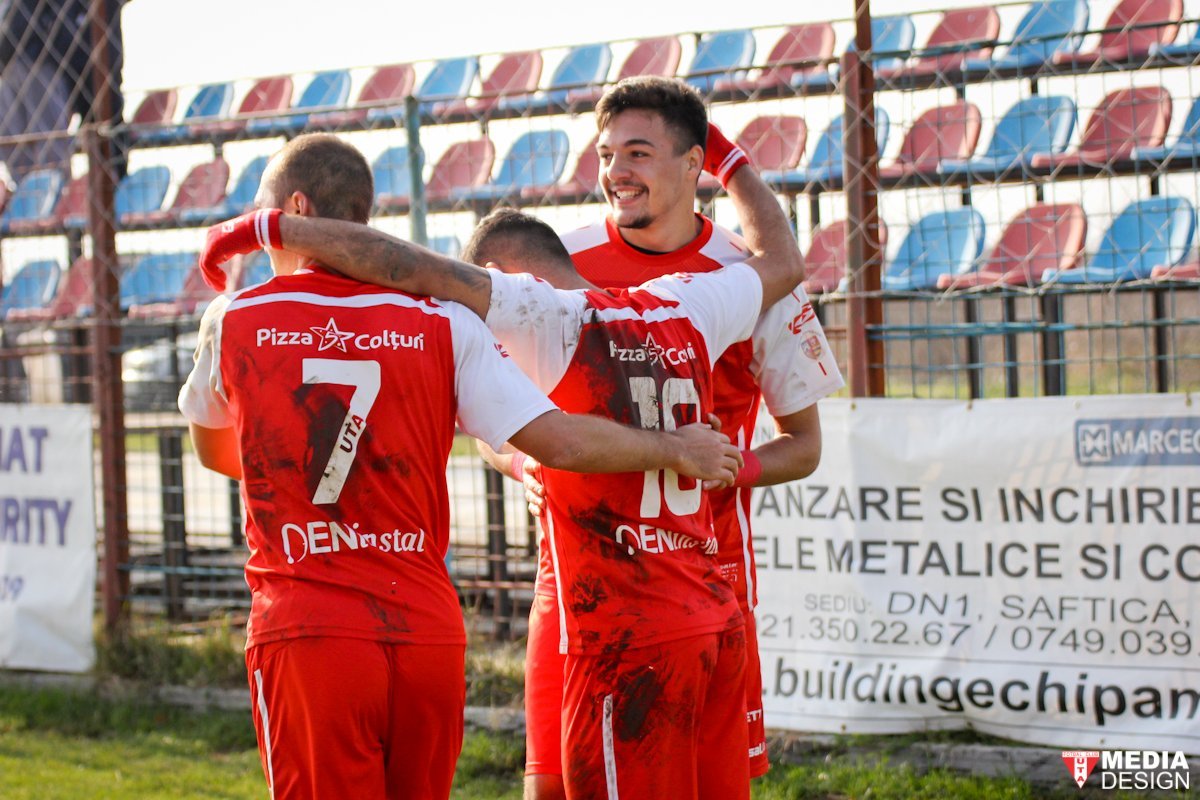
x=992, y=202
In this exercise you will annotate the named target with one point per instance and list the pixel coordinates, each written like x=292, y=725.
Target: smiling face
x=647, y=175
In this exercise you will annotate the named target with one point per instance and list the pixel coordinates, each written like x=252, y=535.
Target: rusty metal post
x=861, y=170
x=108, y=397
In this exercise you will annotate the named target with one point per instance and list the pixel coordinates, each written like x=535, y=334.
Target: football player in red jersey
x=653, y=635
x=335, y=403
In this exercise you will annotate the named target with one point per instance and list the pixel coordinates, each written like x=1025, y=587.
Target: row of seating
x=1050, y=33
x=1030, y=139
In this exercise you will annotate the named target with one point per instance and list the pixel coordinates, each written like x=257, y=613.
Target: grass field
x=60, y=745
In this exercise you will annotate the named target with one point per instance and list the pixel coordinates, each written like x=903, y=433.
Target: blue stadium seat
x=141, y=192
x=1183, y=51
x=34, y=199
x=255, y=269
x=1155, y=232
x=585, y=65
x=327, y=90
x=446, y=245
x=826, y=164
x=892, y=39
x=155, y=278
x=1033, y=126
x=450, y=80
x=724, y=55
x=1185, y=147
x=211, y=102
x=944, y=242
x=393, y=179
x=1050, y=30
x=536, y=159
x=33, y=286
x=238, y=201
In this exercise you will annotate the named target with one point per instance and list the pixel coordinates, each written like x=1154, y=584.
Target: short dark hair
x=332, y=173
x=679, y=105
x=507, y=236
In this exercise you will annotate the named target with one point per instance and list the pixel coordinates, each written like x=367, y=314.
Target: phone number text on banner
x=1027, y=567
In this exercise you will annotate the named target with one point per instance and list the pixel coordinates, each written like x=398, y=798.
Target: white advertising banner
x=47, y=538
x=1028, y=568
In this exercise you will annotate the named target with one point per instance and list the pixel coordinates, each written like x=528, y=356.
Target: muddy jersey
x=634, y=553
x=343, y=397
x=786, y=361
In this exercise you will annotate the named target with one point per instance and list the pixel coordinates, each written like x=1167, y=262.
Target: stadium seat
x=825, y=262
x=771, y=143
x=34, y=199
x=449, y=81
x=156, y=108
x=945, y=132
x=1132, y=31
x=193, y=298
x=802, y=49
x=325, y=90
x=6, y=191
x=382, y=95
x=658, y=56
x=891, y=43
x=515, y=75
x=1183, y=272
x=446, y=245
x=393, y=179
x=252, y=270
x=70, y=211
x=826, y=165
x=72, y=299
x=960, y=34
x=210, y=103
x=1155, y=232
x=241, y=198
x=140, y=193
x=1124, y=121
x=535, y=161
x=944, y=242
x=1050, y=31
x=267, y=96
x=155, y=278
x=464, y=164
x=1034, y=126
x=724, y=55
x=202, y=191
x=1040, y=238
x=1186, y=146
x=32, y=287
x=583, y=66
x=584, y=183
x=1182, y=53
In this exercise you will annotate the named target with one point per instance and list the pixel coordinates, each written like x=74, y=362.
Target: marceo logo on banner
x=1130, y=769
x=1138, y=441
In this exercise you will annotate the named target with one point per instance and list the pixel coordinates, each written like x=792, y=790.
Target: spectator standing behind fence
x=335, y=403
x=47, y=74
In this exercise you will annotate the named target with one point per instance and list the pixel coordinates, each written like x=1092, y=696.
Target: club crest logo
x=1080, y=763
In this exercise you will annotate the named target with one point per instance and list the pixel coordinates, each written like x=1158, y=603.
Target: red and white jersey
x=343, y=396
x=634, y=553
x=786, y=361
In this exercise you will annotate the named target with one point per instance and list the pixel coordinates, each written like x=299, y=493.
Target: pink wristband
x=749, y=474
x=516, y=467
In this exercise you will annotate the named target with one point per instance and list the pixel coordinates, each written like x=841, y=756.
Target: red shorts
x=658, y=721
x=543, y=689
x=355, y=718
x=759, y=763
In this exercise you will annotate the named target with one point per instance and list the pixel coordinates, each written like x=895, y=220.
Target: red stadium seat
x=801, y=49
x=945, y=132
x=514, y=75
x=1132, y=29
x=71, y=210
x=1040, y=238
x=385, y=89
x=584, y=182
x=1125, y=120
x=464, y=164
x=771, y=143
x=1189, y=271
x=267, y=96
x=156, y=108
x=825, y=262
x=960, y=34
x=204, y=187
x=649, y=57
